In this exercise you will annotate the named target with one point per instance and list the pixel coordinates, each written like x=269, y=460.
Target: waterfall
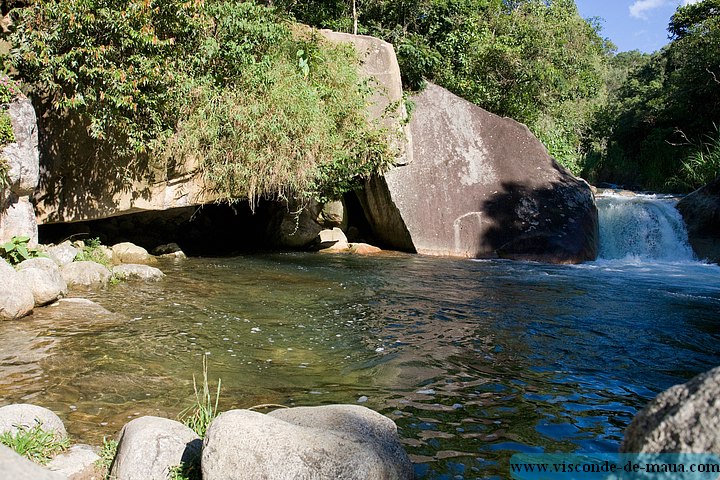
x=642, y=227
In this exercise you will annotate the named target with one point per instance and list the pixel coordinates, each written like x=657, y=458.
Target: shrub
x=17, y=250
x=264, y=107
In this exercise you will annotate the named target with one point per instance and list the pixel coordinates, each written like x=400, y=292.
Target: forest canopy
x=274, y=112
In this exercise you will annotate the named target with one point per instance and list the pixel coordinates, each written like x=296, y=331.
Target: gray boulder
x=331, y=442
x=62, y=254
x=150, y=446
x=127, y=252
x=28, y=416
x=139, y=272
x=22, y=155
x=16, y=297
x=85, y=274
x=43, y=263
x=480, y=186
x=77, y=462
x=17, y=215
x=15, y=467
x=683, y=419
x=17, y=219
x=701, y=212
x=46, y=285
x=293, y=225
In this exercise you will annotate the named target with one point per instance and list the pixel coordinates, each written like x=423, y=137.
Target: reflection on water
x=474, y=360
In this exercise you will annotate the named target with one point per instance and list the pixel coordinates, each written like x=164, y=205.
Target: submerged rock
x=683, y=419
x=480, y=186
x=336, y=441
x=701, y=212
x=139, y=272
x=150, y=446
x=16, y=297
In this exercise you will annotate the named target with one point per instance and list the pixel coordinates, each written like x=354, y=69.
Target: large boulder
x=23, y=415
x=16, y=297
x=701, y=212
x=149, y=447
x=17, y=216
x=15, y=467
x=330, y=442
x=480, y=186
x=683, y=419
x=85, y=274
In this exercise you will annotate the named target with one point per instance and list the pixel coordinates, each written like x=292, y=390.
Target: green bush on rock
x=264, y=107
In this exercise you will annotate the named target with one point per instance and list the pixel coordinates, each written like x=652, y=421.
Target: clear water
x=474, y=360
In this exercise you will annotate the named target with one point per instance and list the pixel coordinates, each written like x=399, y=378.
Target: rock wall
x=701, y=212
x=480, y=186
x=17, y=217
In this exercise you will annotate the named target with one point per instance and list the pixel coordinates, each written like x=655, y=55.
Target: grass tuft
x=199, y=416
x=35, y=443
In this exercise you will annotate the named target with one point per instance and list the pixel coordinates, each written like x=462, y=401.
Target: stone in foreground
x=149, y=447
x=15, y=467
x=46, y=285
x=480, y=186
x=78, y=462
x=336, y=441
x=683, y=419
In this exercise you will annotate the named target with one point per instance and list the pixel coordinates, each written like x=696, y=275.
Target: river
x=474, y=360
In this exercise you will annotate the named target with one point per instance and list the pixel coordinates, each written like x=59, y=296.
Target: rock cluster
x=41, y=281
x=701, y=212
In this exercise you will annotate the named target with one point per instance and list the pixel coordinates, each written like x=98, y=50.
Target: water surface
x=474, y=360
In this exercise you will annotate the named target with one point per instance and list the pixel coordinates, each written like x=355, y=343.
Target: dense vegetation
x=659, y=128
x=645, y=120
x=267, y=108
x=271, y=110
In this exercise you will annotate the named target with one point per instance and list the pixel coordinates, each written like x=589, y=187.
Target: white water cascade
x=642, y=227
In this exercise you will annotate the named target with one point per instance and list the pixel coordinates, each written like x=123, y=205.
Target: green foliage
x=700, y=167
x=17, y=250
x=536, y=61
x=7, y=135
x=107, y=455
x=92, y=251
x=35, y=443
x=653, y=131
x=186, y=471
x=112, y=62
x=4, y=173
x=265, y=108
x=199, y=415
x=8, y=91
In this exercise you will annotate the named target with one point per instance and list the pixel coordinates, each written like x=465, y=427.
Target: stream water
x=474, y=360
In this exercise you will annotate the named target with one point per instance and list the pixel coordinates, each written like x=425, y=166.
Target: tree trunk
x=355, y=18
